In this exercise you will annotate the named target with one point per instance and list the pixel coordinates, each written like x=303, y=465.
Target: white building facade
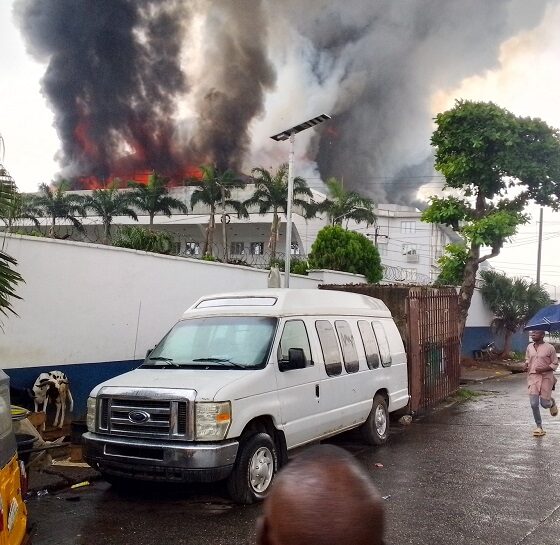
x=409, y=248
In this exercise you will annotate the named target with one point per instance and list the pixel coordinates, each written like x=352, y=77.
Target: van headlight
x=91, y=410
x=212, y=420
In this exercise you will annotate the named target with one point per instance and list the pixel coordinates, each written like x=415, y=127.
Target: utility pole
x=376, y=235
x=539, y=251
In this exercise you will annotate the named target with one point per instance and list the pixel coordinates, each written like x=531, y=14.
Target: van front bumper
x=147, y=459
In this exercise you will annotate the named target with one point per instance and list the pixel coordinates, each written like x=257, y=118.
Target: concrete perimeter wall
x=92, y=311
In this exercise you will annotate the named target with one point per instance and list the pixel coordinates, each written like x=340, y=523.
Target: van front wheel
x=375, y=430
x=254, y=469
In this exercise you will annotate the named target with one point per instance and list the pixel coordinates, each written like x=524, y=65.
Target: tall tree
x=513, y=302
x=154, y=197
x=58, y=204
x=498, y=163
x=271, y=195
x=108, y=203
x=9, y=277
x=213, y=190
x=343, y=205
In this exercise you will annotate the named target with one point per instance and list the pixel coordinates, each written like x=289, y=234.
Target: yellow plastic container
x=13, y=512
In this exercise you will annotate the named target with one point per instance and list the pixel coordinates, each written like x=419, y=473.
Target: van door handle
x=316, y=390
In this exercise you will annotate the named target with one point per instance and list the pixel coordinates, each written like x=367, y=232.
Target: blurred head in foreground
x=322, y=497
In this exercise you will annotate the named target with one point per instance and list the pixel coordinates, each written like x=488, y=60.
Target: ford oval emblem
x=138, y=417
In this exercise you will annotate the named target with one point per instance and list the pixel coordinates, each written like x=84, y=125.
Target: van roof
x=287, y=301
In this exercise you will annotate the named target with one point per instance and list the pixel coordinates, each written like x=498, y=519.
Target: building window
x=295, y=248
x=192, y=248
x=329, y=347
x=237, y=248
x=257, y=248
x=408, y=227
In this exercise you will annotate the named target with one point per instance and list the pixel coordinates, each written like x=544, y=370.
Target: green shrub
x=142, y=238
x=340, y=250
x=297, y=266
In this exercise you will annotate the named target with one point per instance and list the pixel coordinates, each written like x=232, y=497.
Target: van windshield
x=236, y=342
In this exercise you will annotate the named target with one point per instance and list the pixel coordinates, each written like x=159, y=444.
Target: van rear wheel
x=375, y=430
x=254, y=469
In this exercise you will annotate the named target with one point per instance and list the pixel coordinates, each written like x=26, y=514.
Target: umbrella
x=546, y=319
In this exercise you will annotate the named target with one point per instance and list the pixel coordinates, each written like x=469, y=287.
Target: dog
x=47, y=388
x=64, y=397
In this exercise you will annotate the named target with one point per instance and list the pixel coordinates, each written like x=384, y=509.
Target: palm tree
x=154, y=198
x=108, y=203
x=513, y=302
x=271, y=194
x=9, y=278
x=349, y=205
x=22, y=207
x=215, y=188
x=57, y=204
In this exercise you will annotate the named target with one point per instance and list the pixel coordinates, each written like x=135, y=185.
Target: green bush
x=142, y=238
x=340, y=250
x=297, y=266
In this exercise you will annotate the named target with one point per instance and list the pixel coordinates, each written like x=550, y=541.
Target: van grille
x=165, y=419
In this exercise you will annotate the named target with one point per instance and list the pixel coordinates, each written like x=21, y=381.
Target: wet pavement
x=469, y=473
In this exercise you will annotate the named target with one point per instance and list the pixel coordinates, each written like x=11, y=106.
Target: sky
x=524, y=79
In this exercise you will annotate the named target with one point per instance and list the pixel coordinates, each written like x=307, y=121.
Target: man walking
x=540, y=363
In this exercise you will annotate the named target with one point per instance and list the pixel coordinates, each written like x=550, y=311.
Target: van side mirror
x=149, y=351
x=296, y=360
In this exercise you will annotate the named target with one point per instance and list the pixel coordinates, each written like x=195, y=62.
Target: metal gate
x=433, y=345
x=427, y=319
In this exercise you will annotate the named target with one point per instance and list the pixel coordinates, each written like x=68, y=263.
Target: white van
x=242, y=379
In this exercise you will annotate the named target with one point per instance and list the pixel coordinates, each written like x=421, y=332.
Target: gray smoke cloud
x=120, y=72
x=230, y=92
x=392, y=56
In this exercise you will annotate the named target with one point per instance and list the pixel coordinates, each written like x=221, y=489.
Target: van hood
x=206, y=383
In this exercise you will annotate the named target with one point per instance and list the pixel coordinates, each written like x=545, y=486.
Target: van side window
x=349, y=352
x=329, y=346
x=370, y=344
x=294, y=336
x=383, y=343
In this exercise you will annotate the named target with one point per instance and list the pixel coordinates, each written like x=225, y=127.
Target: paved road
x=470, y=473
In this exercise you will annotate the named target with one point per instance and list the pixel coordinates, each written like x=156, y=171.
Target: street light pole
x=288, y=256
x=285, y=135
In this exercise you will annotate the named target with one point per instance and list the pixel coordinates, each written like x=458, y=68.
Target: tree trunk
x=273, y=235
x=224, y=232
x=209, y=243
x=152, y=214
x=507, y=342
x=107, y=234
x=53, y=224
x=467, y=288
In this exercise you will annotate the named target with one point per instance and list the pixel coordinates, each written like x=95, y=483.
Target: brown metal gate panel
x=433, y=347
